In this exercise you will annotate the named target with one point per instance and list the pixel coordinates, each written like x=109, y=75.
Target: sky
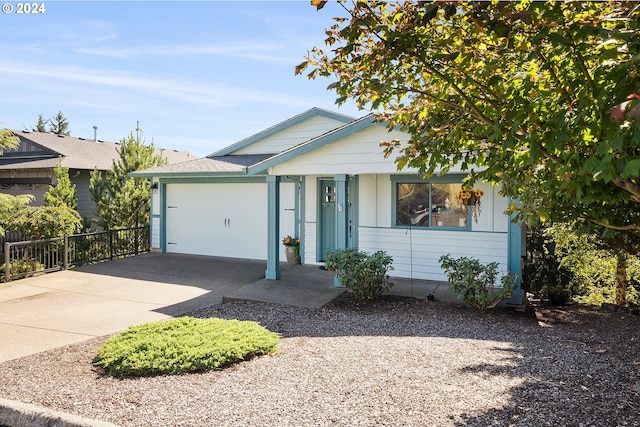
x=196, y=75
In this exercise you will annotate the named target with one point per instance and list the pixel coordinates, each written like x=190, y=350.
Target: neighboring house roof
x=46, y=149
x=224, y=162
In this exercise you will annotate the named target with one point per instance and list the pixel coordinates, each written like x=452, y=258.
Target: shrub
x=22, y=268
x=364, y=275
x=593, y=270
x=474, y=283
x=542, y=268
x=43, y=222
x=184, y=344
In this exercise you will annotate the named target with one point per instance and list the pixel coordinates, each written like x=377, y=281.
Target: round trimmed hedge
x=183, y=344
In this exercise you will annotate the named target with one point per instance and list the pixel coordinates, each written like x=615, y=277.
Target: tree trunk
x=621, y=279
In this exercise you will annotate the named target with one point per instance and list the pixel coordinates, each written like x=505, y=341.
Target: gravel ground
x=398, y=362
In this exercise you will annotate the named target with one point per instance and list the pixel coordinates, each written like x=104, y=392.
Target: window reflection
x=429, y=205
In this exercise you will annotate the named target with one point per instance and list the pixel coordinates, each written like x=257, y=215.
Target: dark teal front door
x=327, y=221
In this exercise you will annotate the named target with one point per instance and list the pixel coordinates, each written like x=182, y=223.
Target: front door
x=327, y=224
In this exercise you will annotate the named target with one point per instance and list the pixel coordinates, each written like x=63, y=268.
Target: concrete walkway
x=57, y=309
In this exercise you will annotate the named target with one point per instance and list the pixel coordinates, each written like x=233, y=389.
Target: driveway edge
x=18, y=414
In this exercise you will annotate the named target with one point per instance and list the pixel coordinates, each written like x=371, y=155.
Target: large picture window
x=430, y=205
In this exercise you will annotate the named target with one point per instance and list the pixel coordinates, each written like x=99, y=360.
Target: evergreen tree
x=64, y=193
x=59, y=124
x=122, y=201
x=41, y=126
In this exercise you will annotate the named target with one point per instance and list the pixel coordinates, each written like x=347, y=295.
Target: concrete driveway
x=65, y=307
x=53, y=310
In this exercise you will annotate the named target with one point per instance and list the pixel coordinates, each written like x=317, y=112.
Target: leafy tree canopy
x=43, y=222
x=123, y=201
x=8, y=140
x=9, y=206
x=543, y=97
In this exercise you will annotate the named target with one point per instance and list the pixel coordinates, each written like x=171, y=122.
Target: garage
x=223, y=219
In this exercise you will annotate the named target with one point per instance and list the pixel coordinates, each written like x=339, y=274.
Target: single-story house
x=28, y=168
x=322, y=176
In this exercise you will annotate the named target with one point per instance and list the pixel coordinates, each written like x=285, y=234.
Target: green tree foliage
x=123, y=201
x=8, y=140
x=43, y=222
x=593, y=278
x=58, y=124
x=41, y=125
x=543, y=97
x=64, y=192
x=9, y=206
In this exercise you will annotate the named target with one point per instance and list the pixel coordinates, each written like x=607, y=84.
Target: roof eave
x=186, y=174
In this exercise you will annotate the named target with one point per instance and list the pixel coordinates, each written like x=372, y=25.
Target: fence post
x=111, y=245
x=65, y=256
x=7, y=264
x=136, y=237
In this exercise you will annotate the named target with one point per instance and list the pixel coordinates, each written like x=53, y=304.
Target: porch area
x=312, y=287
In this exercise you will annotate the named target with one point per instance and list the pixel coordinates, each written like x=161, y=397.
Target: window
x=428, y=204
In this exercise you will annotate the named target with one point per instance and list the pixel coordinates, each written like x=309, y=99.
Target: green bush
x=43, y=222
x=474, y=283
x=184, y=344
x=364, y=275
x=593, y=270
x=22, y=268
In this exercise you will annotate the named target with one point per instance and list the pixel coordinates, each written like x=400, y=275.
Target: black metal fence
x=27, y=258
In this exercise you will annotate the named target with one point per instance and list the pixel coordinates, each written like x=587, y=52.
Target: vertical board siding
x=416, y=252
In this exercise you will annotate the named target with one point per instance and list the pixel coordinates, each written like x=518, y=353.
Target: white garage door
x=227, y=220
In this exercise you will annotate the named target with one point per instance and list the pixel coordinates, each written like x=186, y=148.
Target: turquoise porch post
x=515, y=248
x=273, y=227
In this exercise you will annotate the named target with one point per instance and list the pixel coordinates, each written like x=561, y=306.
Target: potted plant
x=292, y=249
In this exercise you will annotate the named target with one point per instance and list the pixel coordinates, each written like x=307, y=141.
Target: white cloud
x=269, y=52
x=164, y=88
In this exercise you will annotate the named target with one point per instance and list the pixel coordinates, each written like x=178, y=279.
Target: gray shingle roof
x=197, y=166
x=75, y=153
x=215, y=165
